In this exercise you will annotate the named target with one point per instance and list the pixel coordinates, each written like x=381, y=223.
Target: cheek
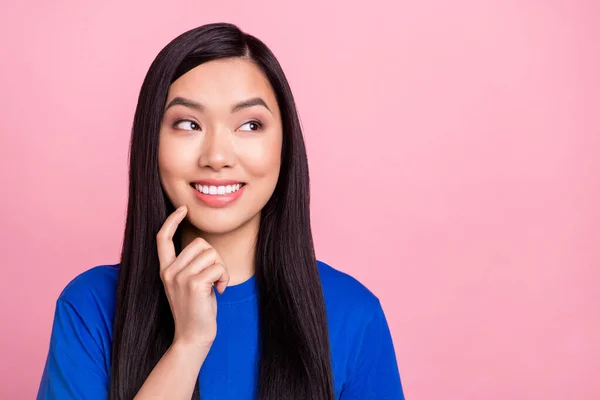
x=172, y=167
x=263, y=159
x=167, y=165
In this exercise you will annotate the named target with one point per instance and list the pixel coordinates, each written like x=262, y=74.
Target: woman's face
x=220, y=144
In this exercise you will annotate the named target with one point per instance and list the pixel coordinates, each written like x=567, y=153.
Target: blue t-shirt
x=362, y=353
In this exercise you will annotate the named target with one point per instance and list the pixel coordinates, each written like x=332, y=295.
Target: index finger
x=164, y=237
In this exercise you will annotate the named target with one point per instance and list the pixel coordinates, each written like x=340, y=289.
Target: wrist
x=194, y=352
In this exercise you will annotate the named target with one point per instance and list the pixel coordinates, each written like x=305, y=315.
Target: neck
x=237, y=248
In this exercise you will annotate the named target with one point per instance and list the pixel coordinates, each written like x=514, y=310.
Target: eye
x=186, y=125
x=252, y=126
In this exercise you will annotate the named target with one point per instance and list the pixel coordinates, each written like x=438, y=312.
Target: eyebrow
x=255, y=101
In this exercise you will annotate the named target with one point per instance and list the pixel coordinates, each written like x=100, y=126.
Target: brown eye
x=186, y=125
x=251, y=126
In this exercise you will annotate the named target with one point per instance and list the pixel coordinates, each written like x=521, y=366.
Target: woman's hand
x=188, y=280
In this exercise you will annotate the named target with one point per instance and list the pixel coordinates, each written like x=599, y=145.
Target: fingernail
x=181, y=209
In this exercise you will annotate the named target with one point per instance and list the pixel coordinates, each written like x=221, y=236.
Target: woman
x=218, y=294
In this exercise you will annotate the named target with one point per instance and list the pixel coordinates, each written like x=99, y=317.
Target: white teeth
x=217, y=190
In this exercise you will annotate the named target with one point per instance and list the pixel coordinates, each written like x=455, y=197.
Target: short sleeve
x=75, y=367
x=375, y=372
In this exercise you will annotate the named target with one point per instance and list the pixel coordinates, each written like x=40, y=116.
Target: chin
x=217, y=223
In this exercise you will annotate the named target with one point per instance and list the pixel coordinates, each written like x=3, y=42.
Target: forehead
x=223, y=82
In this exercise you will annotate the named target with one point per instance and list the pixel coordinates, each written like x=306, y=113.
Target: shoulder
x=346, y=296
x=362, y=348
x=97, y=280
x=92, y=290
x=83, y=320
x=340, y=284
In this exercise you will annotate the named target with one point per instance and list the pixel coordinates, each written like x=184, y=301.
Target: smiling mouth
x=213, y=190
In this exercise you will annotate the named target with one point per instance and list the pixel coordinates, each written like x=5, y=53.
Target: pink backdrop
x=455, y=158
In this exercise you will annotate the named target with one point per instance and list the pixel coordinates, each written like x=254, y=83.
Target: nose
x=217, y=150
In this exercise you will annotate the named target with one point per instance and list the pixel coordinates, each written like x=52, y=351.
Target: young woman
x=218, y=294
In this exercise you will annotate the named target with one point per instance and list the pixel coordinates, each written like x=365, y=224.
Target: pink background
x=455, y=158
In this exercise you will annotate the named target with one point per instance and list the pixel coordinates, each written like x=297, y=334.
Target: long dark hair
x=294, y=342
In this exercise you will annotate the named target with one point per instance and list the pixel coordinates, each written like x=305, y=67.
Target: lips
x=217, y=190
x=216, y=182
x=218, y=194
